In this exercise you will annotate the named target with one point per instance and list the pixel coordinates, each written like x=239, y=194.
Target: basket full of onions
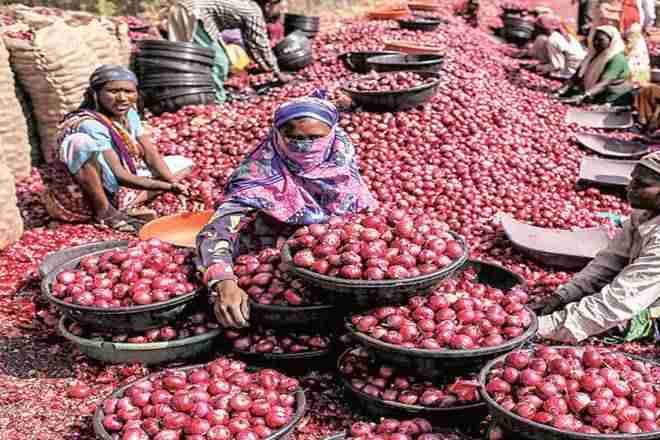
x=370, y=260
x=392, y=91
x=386, y=391
x=290, y=351
x=191, y=337
x=277, y=298
x=461, y=325
x=139, y=286
x=222, y=400
x=573, y=393
x=392, y=429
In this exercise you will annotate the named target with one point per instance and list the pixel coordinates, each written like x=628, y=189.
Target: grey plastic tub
x=149, y=353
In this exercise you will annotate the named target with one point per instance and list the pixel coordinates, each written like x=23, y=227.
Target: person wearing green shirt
x=602, y=76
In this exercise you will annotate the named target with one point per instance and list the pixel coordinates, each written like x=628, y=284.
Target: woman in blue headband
x=304, y=172
x=108, y=165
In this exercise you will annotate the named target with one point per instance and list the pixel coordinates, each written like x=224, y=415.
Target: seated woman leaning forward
x=303, y=173
x=602, y=76
x=620, y=288
x=560, y=52
x=108, y=165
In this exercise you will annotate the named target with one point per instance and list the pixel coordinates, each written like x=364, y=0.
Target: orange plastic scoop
x=179, y=230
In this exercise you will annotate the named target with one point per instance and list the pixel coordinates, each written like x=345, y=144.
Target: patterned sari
x=64, y=198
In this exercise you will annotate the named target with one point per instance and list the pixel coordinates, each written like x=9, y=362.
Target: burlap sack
x=125, y=45
x=11, y=223
x=54, y=69
x=102, y=42
x=14, y=141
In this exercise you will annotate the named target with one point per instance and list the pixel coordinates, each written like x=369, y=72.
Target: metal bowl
x=417, y=62
x=357, y=61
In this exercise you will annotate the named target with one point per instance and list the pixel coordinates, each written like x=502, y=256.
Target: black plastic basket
x=532, y=430
x=137, y=318
x=149, y=67
x=177, y=80
x=150, y=353
x=184, y=57
x=421, y=24
x=290, y=317
x=435, y=363
x=357, y=61
x=395, y=100
x=451, y=416
x=175, y=47
x=174, y=100
x=291, y=363
x=282, y=433
x=495, y=275
x=417, y=62
x=366, y=294
x=307, y=25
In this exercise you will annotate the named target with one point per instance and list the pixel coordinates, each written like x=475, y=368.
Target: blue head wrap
x=101, y=76
x=314, y=106
x=111, y=72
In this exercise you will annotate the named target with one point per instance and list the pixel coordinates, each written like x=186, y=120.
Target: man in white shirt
x=622, y=284
x=559, y=52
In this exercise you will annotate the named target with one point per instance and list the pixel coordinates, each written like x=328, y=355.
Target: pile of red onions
x=393, y=245
x=193, y=325
x=461, y=314
x=593, y=391
x=258, y=340
x=388, y=82
x=387, y=383
x=146, y=272
x=220, y=401
x=267, y=281
x=392, y=429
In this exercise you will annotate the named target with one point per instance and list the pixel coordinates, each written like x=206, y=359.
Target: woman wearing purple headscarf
x=303, y=173
x=108, y=165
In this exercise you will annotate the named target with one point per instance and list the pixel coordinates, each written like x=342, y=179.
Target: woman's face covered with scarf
x=305, y=171
x=304, y=132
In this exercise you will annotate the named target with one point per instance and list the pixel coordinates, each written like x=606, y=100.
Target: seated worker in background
x=637, y=55
x=202, y=21
x=108, y=165
x=621, y=286
x=602, y=75
x=647, y=105
x=469, y=10
x=304, y=172
x=560, y=52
